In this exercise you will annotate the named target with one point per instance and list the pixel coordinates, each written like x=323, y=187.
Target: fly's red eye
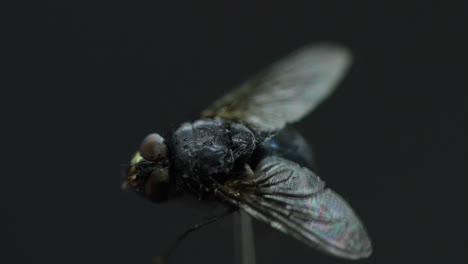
x=153, y=148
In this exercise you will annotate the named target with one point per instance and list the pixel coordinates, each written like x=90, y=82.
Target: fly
x=243, y=153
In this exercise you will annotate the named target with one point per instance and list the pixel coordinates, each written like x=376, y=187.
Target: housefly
x=242, y=152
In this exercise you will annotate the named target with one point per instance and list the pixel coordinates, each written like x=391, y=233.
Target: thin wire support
x=244, y=243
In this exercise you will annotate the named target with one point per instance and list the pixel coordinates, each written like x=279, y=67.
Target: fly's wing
x=287, y=90
x=293, y=200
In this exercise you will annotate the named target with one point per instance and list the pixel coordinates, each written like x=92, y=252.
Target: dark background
x=89, y=80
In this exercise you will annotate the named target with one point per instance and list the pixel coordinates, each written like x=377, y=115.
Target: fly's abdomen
x=288, y=144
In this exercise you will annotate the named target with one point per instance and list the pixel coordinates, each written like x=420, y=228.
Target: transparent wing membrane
x=287, y=90
x=293, y=200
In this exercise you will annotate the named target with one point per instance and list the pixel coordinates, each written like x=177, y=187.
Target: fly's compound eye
x=153, y=148
x=158, y=184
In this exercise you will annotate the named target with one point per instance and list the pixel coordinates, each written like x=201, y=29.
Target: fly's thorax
x=208, y=147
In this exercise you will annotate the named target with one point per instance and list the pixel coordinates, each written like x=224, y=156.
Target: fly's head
x=148, y=172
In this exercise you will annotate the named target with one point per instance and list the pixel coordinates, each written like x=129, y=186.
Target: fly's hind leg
x=162, y=259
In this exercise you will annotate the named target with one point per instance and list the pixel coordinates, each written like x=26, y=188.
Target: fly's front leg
x=165, y=256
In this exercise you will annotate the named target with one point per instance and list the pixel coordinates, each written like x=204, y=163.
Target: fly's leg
x=248, y=170
x=162, y=259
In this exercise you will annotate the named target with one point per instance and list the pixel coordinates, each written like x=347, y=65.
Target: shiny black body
x=217, y=149
x=242, y=153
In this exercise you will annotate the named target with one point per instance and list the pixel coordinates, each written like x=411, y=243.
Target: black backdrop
x=91, y=79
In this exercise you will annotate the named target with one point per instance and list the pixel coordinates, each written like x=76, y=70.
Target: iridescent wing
x=287, y=90
x=293, y=200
